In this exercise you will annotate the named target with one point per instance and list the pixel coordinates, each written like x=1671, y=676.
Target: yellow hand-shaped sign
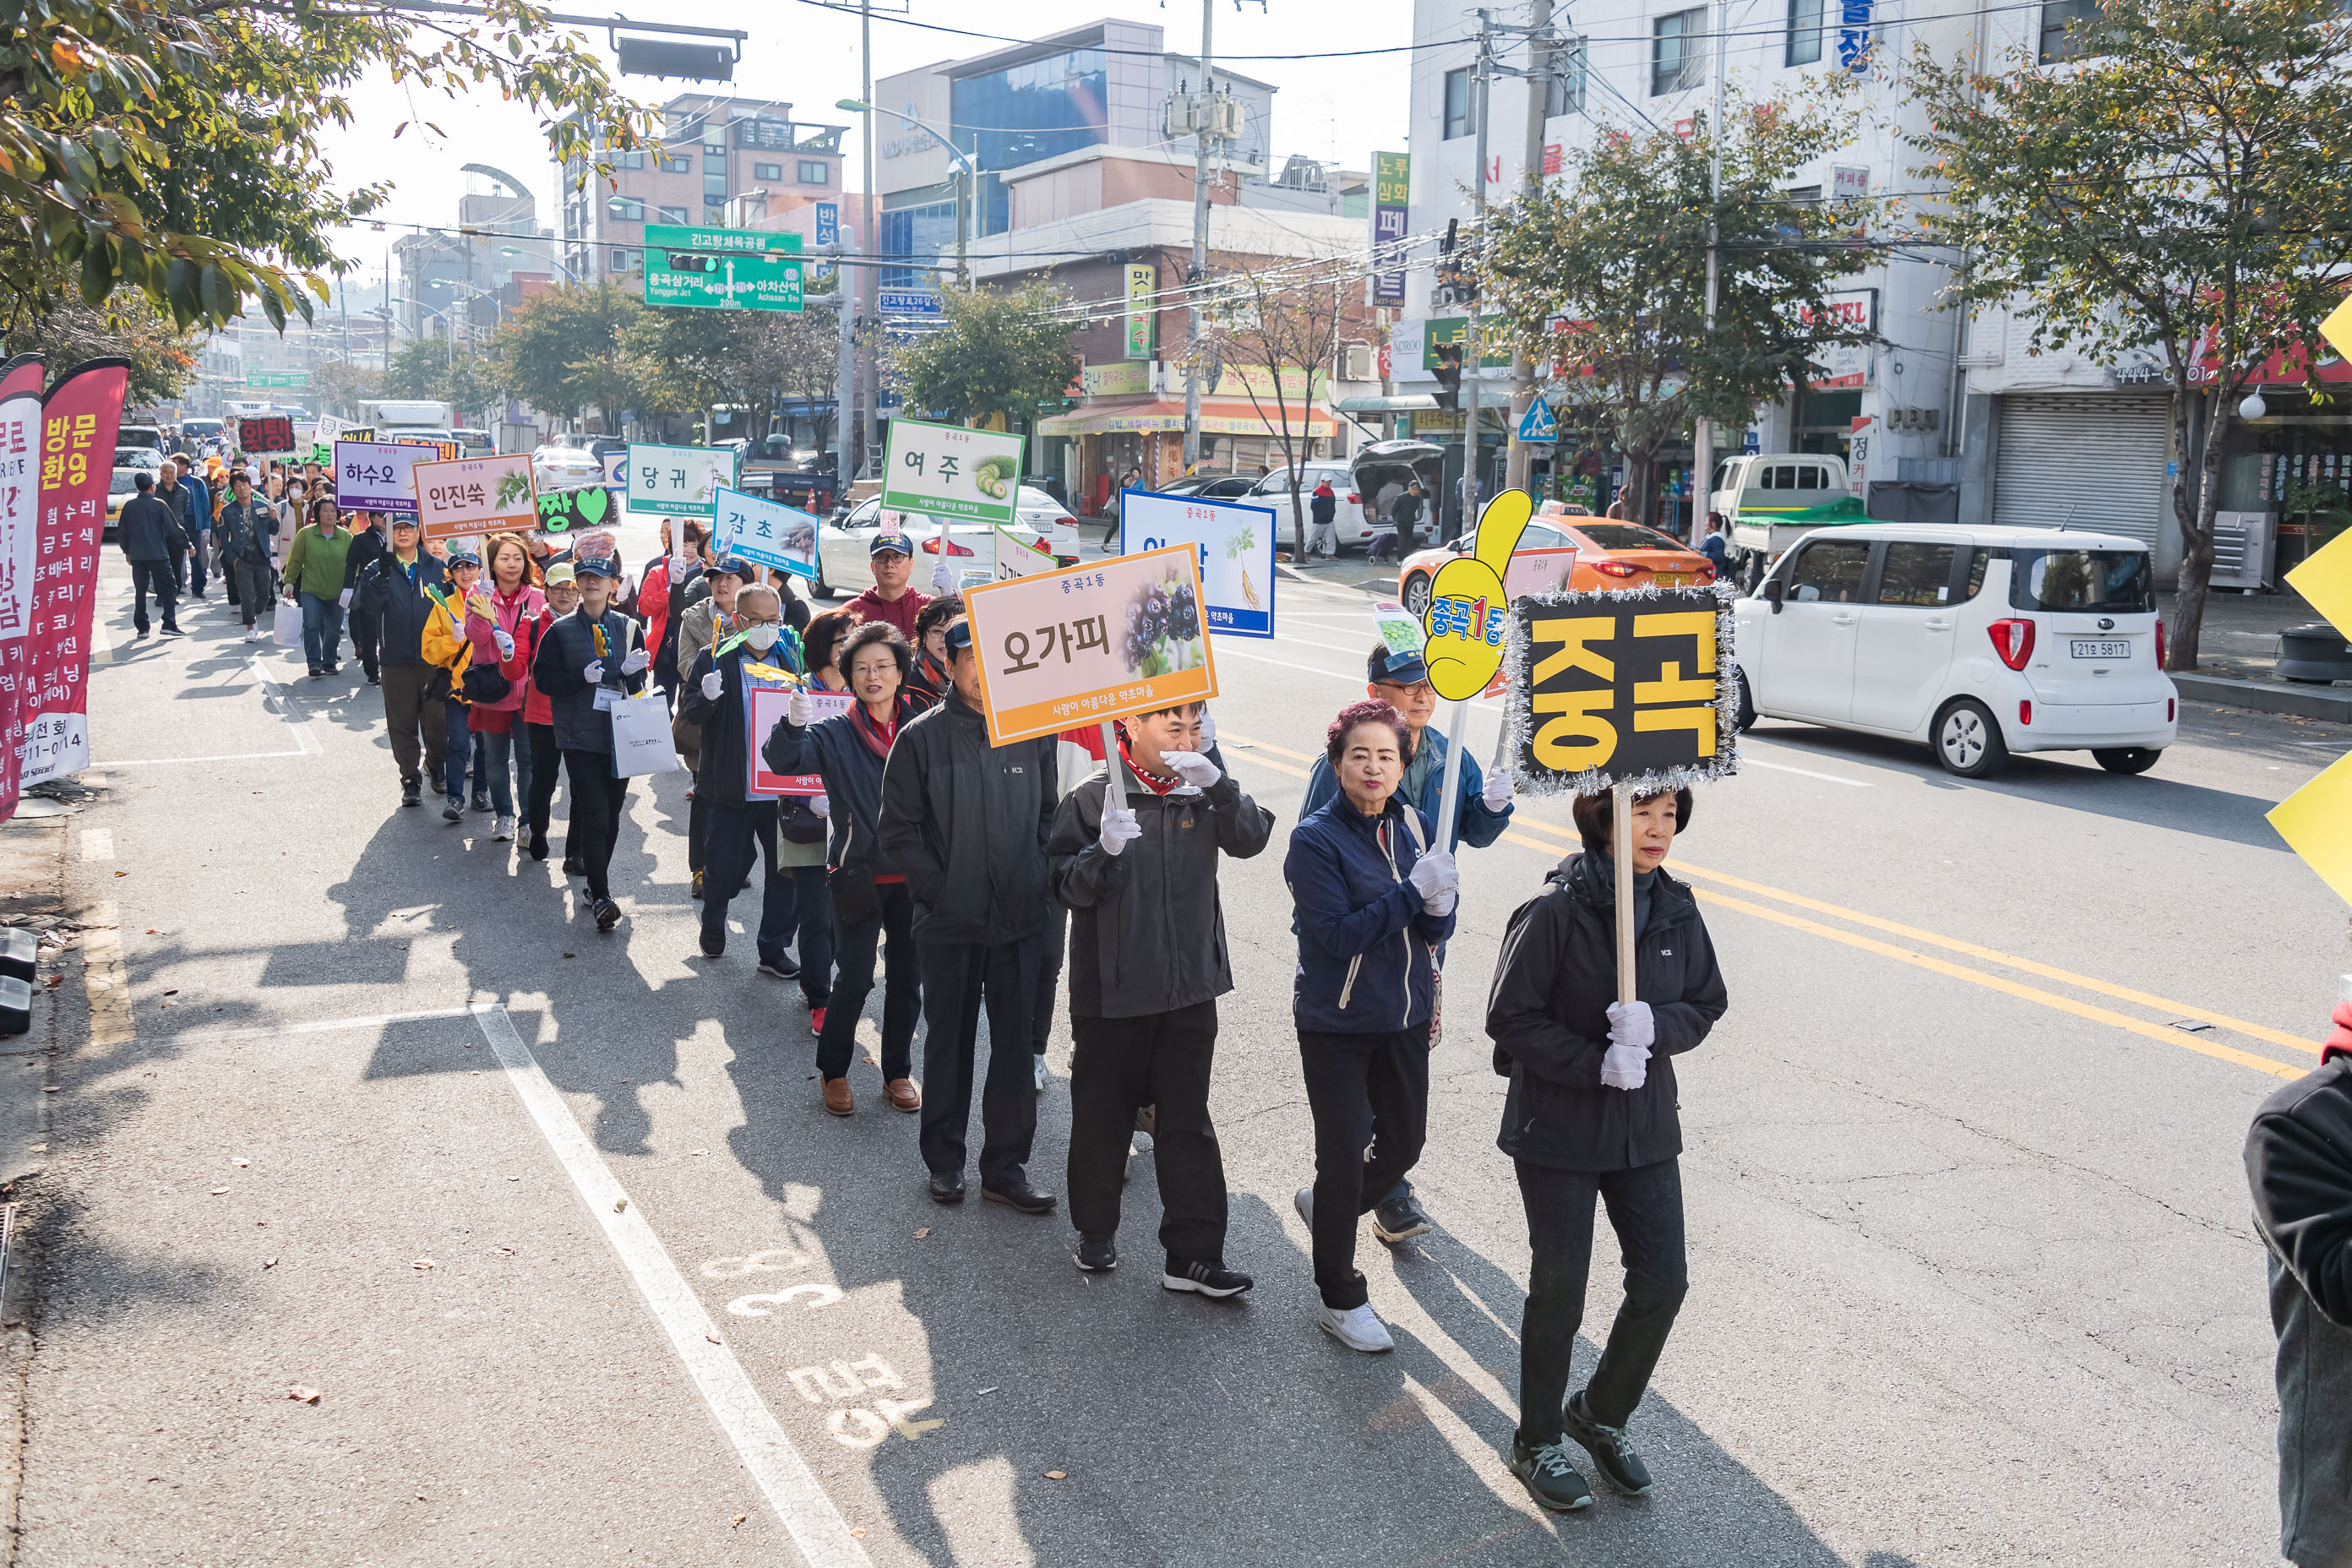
x=1468, y=607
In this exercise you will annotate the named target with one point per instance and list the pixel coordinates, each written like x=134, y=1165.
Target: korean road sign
x=722, y=268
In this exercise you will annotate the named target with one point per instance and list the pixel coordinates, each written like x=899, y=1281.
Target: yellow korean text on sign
x=476, y=496
x=1620, y=689
x=1059, y=650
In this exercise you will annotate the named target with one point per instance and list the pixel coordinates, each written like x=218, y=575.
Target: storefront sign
x=1236, y=553
x=1121, y=378
x=766, y=531
x=376, y=476
x=1059, y=649
x=476, y=496
x=946, y=470
x=1391, y=212
x=675, y=482
x=1609, y=689
x=1846, y=365
x=1448, y=331
x=1142, y=284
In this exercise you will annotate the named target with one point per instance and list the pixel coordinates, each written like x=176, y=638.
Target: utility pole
x=1473, y=353
x=1204, y=110
x=870, y=447
x=1703, y=434
x=1523, y=370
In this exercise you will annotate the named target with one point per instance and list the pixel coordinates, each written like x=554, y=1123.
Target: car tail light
x=1706, y=571
x=2167, y=710
x=2159, y=645
x=2025, y=712
x=2014, y=640
x=1617, y=568
x=1355, y=498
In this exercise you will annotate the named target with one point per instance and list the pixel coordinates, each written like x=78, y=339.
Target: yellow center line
x=1269, y=746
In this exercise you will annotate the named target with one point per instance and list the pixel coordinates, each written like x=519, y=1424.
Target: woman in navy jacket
x=1370, y=901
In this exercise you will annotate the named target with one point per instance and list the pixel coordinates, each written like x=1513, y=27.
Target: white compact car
x=1979, y=642
x=844, y=548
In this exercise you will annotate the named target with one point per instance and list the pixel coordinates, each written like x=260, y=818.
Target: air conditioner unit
x=2242, y=547
x=1356, y=362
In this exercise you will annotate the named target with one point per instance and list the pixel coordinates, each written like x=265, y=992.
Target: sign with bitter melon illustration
x=947, y=471
x=1237, y=549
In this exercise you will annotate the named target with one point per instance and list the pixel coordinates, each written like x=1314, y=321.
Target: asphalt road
x=367, y=1106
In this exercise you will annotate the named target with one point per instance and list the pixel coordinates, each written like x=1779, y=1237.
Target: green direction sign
x=290, y=379
x=722, y=268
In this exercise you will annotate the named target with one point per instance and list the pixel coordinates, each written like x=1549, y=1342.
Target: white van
x=1978, y=642
x=1771, y=500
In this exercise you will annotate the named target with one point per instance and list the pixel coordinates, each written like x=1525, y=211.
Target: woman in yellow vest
x=461, y=629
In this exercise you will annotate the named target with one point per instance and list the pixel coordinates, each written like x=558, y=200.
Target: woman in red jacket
x=562, y=597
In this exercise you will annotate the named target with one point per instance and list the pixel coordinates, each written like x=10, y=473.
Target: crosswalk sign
x=1537, y=423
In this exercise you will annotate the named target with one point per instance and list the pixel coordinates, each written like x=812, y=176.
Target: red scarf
x=1151, y=782
x=877, y=736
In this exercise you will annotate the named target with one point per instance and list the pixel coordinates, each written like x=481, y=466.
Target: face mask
x=761, y=638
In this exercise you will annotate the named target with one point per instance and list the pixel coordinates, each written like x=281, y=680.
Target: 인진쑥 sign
x=1059, y=649
x=476, y=496
x=1619, y=689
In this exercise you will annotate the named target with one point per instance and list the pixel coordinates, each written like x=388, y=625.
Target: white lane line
x=1747, y=759
x=299, y=720
x=277, y=697
x=319, y=1025
x=104, y=981
x=792, y=1488
x=175, y=762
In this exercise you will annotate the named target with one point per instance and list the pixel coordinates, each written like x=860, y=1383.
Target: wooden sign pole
x=1621, y=844
x=1115, y=788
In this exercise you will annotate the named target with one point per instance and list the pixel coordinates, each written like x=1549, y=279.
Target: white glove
x=1192, y=767
x=1208, y=729
x=506, y=643
x=942, y=578
x=1119, y=828
x=1632, y=1023
x=1436, y=880
x=594, y=672
x=636, y=660
x=713, y=685
x=1498, y=790
x=1625, y=1066
x=346, y=600
x=679, y=565
x=820, y=804
x=799, y=711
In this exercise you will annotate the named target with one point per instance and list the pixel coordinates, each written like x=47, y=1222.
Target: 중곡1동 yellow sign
x=1062, y=650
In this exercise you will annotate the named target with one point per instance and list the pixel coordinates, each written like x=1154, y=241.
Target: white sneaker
x=1305, y=1204
x=1357, y=1328
x=502, y=830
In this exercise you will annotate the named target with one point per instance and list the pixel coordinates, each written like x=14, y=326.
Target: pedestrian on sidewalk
x=967, y=824
x=194, y=501
x=502, y=752
x=890, y=599
x=1372, y=900
x=314, y=576
x=1141, y=880
x=370, y=544
x=563, y=596
x=1322, y=532
x=462, y=635
x=396, y=592
x=2299, y=1163
x=866, y=897
x=248, y=529
x=593, y=650
x=145, y=531
x=1591, y=1114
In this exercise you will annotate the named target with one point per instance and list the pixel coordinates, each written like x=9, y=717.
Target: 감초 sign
x=1060, y=649
x=476, y=496
x=766, y=531
x=1630, y=689
x=677, y=481
x=947, y=471
x=1236, y=547
x=377, y=476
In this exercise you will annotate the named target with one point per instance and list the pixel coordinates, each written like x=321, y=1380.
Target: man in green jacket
x=314, y=575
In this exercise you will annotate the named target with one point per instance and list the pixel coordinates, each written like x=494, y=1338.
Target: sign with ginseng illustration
x=1635, y=689
x=947, y=471
x=1062, y=650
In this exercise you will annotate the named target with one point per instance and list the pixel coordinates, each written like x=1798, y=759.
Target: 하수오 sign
x=476, y=496
x=1060, y=649
x=946, y=472
x=1628, y=690
x=376, y=476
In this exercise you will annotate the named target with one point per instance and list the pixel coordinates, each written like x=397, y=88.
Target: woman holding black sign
x=1591, y=1113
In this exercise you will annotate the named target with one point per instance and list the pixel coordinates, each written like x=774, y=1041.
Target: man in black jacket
x=392, y=595
x=2299, y=1165
x=145, y=531
x=968, y=823
x=738, y=827
x=1146, y=964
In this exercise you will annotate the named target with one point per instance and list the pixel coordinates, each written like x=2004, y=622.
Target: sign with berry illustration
x=477, y=496
x=947, y=471
x=1062, y=650
x=1235, y=545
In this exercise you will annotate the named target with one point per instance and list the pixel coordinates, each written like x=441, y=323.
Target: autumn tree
x=2179, y=189
x=691, y=359
x=163, y=357
x=565, y=351
x=991, y=354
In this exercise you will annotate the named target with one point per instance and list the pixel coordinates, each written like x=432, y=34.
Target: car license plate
x=2096, y=648
x=1671, y=579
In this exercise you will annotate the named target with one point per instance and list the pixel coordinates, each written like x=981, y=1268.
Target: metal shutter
x=2092, y=462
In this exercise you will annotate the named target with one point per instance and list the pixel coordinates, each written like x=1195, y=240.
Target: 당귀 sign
x=1060, y=649
x=677, y=481
x=1622, y=689
x=766, y=531
x=266, y=436
x=376, y=476
x=1236, y=546
x=947, y=471
x=476, y=496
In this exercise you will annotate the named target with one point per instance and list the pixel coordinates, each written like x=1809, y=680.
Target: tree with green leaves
x=458, y=375
x=691, y=359
x=993, y=355
x=2177, y=189
x=338, y=385
x=566, y=351
x=175, y=146
x=1603, y=273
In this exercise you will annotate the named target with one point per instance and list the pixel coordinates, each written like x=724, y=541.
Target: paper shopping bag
x=641, y=740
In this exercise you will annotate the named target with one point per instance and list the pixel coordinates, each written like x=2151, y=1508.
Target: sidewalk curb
x=2268, y=697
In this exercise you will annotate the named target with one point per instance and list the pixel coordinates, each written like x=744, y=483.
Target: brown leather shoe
x=902, y=1094
x=837, y=1098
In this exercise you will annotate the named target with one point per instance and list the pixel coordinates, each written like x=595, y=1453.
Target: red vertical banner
x=20, y=496
x=80, y=418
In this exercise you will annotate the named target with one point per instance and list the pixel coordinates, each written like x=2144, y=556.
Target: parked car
x=1768, y=500
x=148, y=458
x=845, y=544
x=474, y=442
x=1211, y=487
x=1977, y=642
x=1608, y=555
x=1379, y=473
x=570, y=460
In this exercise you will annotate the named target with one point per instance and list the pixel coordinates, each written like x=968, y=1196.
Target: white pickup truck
x=1771, y=499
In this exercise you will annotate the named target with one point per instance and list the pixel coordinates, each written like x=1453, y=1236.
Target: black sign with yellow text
x=1623, y=687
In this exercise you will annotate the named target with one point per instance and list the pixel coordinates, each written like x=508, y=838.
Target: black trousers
x=1362, y=1089
x=364, y=637
x=543, y=758
x=1646, y=1209
x=597, y=801
x=698, y=831
x=155, y=577
x=853, y=982
x=740, y=834
x=1049, y=977
x=957, y=978
x=1160, y=1060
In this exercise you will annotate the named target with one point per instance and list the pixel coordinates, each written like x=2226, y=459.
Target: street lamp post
x=965, y=178
x=549, y=258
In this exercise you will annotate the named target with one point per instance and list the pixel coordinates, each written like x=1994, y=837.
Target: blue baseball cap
x=959, y=635
x=463, y=558
x=735, y=567
x=597, y=566
x=1400, y=666
x=898, y=542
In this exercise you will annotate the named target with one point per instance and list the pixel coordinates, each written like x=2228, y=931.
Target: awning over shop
x=1403, y=403
x=1219, y=417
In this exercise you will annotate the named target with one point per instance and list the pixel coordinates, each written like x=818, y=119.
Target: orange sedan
x=1608, y=555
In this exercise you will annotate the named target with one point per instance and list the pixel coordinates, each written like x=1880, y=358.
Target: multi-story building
x=722, y=163
x=452, y=282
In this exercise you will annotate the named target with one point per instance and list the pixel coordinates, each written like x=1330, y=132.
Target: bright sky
x=1339, y=110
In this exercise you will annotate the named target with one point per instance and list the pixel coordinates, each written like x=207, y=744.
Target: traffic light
x=1448, y=371
x=663, y=57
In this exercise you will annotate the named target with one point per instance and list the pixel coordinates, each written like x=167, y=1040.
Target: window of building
x=815, y=172
x=2057, y=15
x=1564, y=91
x=671, y=215
x=625, y=209
x=918, y=234
x=682, y=163
x=1458, y=103
x=628, y=160
x=1804, y=46
x=767, y=171
x=1677, y=52
x=627, y=260
x=1035, y=109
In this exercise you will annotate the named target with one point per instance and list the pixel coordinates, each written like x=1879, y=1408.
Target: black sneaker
x=714, y=947
x=452, y=811
x=1212, y=1280
x=480, y=802
x=1020, y=1195
x=1095, y=1255
x=1399, y=1220
x=608, y=914
x=539, y=846
x=780, y=967
x=411, y=795
x=574, y=867
x=1550, y=1478
x=1612, y=1454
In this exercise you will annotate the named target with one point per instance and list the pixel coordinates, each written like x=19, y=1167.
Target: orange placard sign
x=1059, y=649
